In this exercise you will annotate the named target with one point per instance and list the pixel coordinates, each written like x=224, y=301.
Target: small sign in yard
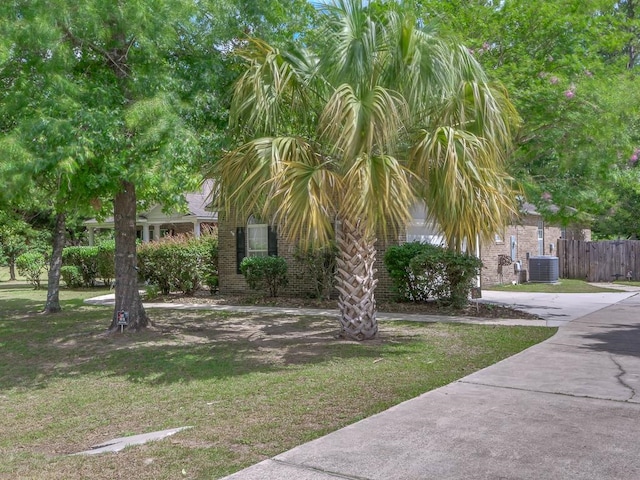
x=123, y=319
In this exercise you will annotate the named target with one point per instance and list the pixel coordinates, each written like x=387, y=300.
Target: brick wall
x=299, y=283
x=232, y=282
x=526, y=237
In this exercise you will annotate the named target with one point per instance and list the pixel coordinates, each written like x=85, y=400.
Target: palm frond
x=377, y=191
x=283, y=179
x=465, y=192
x=267, y=94
x=371, y=122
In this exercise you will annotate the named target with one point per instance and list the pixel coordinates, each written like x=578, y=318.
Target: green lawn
x=563, y=286
x=252, y=386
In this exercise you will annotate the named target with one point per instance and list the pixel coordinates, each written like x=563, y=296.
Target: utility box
x=544, y=269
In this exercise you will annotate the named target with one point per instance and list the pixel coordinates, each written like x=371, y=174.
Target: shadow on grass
x=181, y=347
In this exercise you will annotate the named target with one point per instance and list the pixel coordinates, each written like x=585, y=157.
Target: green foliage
x=422, y=272
x=397, y=260
x=571, y=70
x=319, y=267
x=268, y=274
x=105, y=262
x=31, y=265
x=85, y=259
x=71, y=276
x=179, y=263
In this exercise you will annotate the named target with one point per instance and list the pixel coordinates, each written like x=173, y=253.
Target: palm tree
x=342, y=138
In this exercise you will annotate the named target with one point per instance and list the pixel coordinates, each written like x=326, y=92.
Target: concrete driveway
x=557, y=308
x=566, y=409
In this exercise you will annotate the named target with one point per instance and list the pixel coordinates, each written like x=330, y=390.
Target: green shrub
x=319, y=269
x=105, y=262
x=31, y=265
x=422, y=272
x=265, y=273
x=71, y=276
x=85, y=258
x=396, y=259
x=179, y=263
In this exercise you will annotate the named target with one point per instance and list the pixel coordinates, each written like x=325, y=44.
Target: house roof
x=530, y=209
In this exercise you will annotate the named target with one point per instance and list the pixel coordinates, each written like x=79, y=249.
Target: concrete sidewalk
x=554, y=309
x=564, y=409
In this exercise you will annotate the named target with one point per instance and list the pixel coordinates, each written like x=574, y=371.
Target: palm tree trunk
x=55, y=264
x=355, y=282
x=127, y=296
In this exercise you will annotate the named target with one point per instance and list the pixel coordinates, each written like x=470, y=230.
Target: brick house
x=530, y=235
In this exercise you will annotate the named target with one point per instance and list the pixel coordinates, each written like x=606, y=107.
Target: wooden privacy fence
x=599, y=261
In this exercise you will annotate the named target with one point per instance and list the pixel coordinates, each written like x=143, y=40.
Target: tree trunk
x=127, y=296
x=355, y=282
x=12, y=269
x=55, y=263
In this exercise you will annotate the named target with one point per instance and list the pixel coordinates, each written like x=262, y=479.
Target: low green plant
x=267, y=274
x=85, y=258
x=179, y=263
x=422, y=272
x=152, y=292
x=105, y=262
x=71, y=276
x=31, y=265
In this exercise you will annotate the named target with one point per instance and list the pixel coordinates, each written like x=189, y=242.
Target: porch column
x=91, y=236
x=196, y=229
x=156, y=232
x=145, y=233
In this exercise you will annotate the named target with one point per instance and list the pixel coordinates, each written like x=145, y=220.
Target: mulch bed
x=482, y=310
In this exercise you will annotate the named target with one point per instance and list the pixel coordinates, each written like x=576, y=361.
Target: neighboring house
x=530, y=235
x=506, y=258
x=154, y=224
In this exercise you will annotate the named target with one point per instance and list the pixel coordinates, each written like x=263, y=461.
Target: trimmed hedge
x=179, y=263
x=71, y=276
x=85, y=259
x=422, y=272
x=265, y=273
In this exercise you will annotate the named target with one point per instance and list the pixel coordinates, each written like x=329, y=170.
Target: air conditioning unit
x=544, y=269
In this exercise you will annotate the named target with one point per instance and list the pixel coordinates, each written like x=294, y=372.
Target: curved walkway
x=553, y=309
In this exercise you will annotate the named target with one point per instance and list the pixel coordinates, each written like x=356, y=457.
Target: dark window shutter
x=241, y=247
x=272, y=235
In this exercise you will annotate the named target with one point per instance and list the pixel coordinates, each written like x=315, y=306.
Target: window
x=540, y=237
x=257, y=238
x=422, y=229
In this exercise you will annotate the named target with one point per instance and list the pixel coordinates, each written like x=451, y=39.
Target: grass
x=563, y=286
x=251, y=385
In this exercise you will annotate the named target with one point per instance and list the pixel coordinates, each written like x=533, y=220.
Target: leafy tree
x=14, y=235
x=379, y=113
x=569, y=66
x=104, y=100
